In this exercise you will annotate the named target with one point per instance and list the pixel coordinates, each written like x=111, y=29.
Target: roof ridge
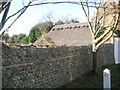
x=69, y=26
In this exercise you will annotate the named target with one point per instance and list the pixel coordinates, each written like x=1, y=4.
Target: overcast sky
x=37, y=14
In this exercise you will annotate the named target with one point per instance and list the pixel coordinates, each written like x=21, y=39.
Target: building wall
x=49, y=67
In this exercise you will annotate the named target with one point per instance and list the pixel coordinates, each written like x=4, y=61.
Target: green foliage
x=38, y=30
x=25, y=40
x=66, y=22
x=13, y=39
x=72, y=21
x=35, y=33
x=16, y=38
x=45, y=27
x=21, y=36
x=59, y=22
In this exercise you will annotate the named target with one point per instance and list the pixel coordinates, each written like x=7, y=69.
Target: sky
x=37, y=14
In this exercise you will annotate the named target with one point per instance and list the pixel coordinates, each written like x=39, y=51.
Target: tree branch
x=22, y=10
x=70, y=2
x=104, y=40
x=5, y=14
x=90, y=26
x=95, y=21
x=111, y=28
x=4, y=5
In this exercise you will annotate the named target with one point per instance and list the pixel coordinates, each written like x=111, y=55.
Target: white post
x=106, y=79
x=117, y=50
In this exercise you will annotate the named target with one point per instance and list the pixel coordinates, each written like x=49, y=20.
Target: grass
x=96, y=81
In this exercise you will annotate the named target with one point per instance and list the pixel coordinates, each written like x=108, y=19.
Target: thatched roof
x=74, y=34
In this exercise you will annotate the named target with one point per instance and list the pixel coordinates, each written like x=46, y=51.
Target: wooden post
x=106, y=79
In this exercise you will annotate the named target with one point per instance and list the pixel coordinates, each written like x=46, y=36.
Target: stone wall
x=49, y=67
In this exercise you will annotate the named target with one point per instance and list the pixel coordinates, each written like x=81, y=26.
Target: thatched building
x=74, y=34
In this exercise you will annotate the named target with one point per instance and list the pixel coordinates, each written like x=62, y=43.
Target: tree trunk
x=95, y=62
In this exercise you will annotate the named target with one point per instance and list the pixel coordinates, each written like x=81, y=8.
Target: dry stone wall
x=49, y=67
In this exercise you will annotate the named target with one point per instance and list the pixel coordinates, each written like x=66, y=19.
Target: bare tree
x=6, y=6
x=101, y=29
